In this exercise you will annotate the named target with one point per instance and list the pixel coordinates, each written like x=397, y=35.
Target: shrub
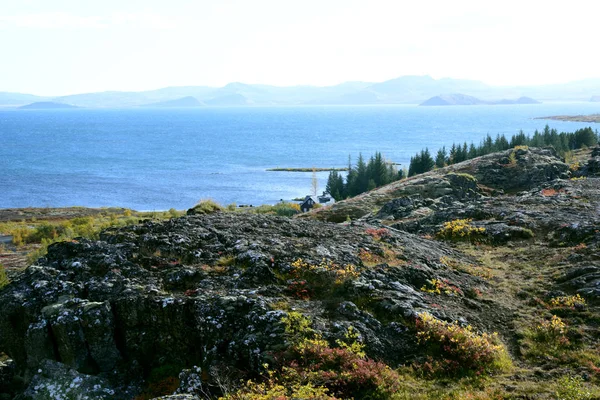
x=286, y=209
x=344, y=372
x=571, y=388
x=49, y=232
x=205, y=207
x=552, y=332
x=439, y=286
x=459, y=350
x=281, y=209
x=575, y=301
x=378, y=234
x=460, y=229
x=271, y=390
x=226, y=261
x=311, y=369
x=306, y=280
x=173, y=213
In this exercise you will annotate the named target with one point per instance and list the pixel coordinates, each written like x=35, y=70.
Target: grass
x=3, y=277
x=34, y=236
x=206, y=206
x=555, y=334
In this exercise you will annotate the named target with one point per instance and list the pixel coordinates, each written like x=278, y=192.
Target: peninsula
x=46, y=105
x=574, y=118
x=459, y=99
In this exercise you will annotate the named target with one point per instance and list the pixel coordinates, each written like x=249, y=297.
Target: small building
x=309, y=202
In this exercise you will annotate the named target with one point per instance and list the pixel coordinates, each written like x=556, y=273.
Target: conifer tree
x=440, y=157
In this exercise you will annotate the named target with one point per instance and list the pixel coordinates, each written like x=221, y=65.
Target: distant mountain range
x=46, y=105
x=458, y=99
x=183, y=102
x=402, y=90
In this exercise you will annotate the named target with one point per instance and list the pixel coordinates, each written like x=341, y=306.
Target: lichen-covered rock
x=55, y=381
x=592, y=167
x=530, y=168
x=212, y=291
x=584, y=279
x=204, y=298
x=508, y=171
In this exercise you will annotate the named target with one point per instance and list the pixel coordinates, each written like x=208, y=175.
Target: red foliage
x=378, y=233
x=345, y=373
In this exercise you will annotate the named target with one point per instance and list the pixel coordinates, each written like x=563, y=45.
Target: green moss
x=466, y=176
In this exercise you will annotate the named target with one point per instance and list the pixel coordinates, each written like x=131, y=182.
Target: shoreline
x=594, y=118
x=306, y=169
x=55, y=213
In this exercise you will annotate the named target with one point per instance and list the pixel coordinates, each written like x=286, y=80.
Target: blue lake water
x=150, y=159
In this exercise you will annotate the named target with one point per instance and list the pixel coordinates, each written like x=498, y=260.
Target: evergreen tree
x=584, y=137
x=371, y=185
x=472, y=151
x=420, y=163
x=350, y=180
x=501, y=143
x=335, y=185
x=452, y=157
x=440, y=157
x=519, y=139
x=362, y=180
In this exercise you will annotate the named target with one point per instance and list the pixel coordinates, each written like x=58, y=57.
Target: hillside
x=575, y=118
x=479, y=280
x=408, y=89
x=458, y=99
x=46, y=105
x=183, y=102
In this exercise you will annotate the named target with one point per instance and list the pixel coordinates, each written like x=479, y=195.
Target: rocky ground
x=196, y=304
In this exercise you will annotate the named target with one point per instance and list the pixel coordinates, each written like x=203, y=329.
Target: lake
x=156, y=159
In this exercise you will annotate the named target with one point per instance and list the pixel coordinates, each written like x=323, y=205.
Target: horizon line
x=303, y=85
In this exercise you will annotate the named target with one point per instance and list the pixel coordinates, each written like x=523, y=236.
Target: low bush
x=439, y=286
x=552, y=332
x=306, y=280
x=282, y=209
x=311, y=369
x=457, y=350
x=205, y=207
x=575, y=301
x=572, y=388
x=460, y=229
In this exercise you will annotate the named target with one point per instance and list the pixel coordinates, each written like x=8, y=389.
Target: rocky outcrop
x=508, y=171
x=203, y=291
x=205, y=296
x=592, y=167
x=518, y=169
x=584, y=279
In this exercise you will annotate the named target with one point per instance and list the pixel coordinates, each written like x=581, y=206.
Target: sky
x=62, y=47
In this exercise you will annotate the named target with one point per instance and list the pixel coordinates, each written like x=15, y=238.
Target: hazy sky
x=55, y=47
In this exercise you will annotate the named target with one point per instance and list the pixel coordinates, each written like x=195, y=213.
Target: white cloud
x=63, y=20
x=50, y=20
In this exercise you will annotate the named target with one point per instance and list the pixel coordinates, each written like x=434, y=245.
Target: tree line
x=562, y=142
x=362, y=177
x=365, y=176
